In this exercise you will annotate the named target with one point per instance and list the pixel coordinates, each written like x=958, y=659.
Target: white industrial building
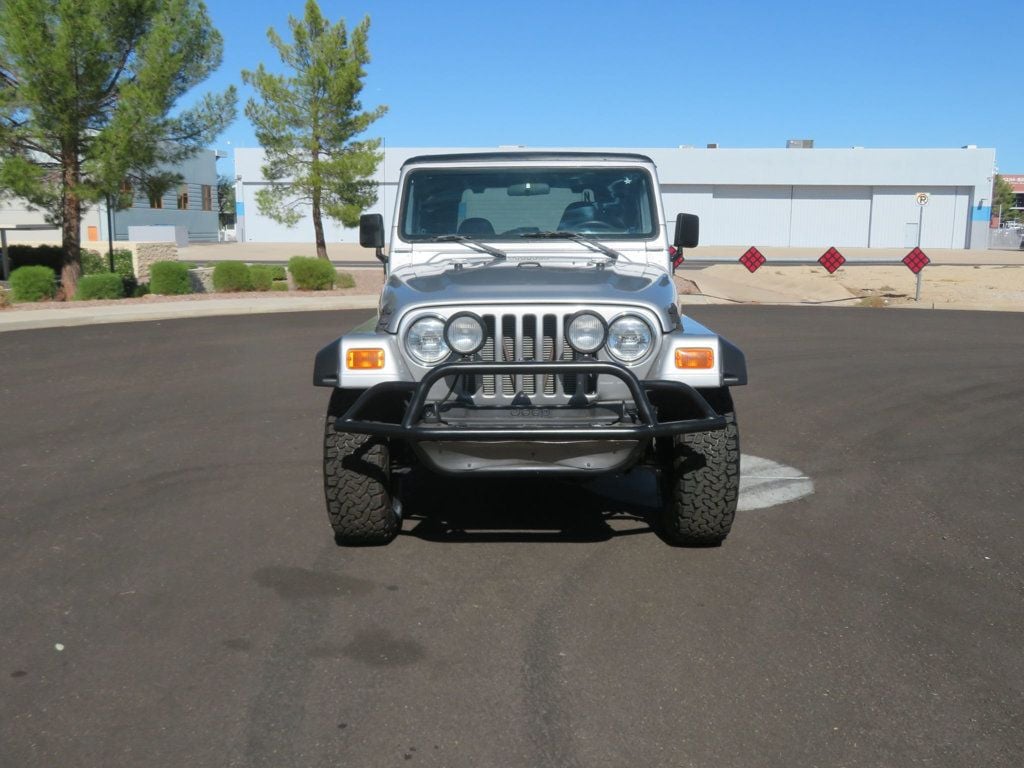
x=765, y=197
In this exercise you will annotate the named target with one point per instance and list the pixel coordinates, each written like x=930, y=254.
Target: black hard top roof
x=482, y=157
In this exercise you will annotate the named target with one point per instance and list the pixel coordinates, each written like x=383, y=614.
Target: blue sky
x=661, y=74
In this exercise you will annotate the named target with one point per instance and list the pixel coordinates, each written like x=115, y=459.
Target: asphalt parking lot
x=172, y=595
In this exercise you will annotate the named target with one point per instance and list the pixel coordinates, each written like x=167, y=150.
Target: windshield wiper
x=595, y=245
x=475, y=244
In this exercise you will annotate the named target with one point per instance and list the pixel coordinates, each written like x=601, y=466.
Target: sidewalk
x=71, y=315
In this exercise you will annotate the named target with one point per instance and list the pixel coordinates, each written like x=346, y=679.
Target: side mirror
x=687, y=231
x=371, y=233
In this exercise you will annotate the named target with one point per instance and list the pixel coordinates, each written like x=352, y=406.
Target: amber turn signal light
x=364, y=359
x=699, y=357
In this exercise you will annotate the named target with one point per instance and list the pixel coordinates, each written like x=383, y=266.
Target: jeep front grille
x=524, y=338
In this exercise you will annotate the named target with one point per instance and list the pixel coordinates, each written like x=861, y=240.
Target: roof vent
x=800, y=144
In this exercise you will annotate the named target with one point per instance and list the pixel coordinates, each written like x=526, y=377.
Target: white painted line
x=763, y=483
x=779, y=477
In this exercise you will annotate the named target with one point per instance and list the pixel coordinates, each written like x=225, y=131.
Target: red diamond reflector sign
x=916, y=260
x=676, y=256
x=752, y=259
x=832, y=260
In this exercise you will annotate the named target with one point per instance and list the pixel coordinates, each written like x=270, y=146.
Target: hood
x=527, y=283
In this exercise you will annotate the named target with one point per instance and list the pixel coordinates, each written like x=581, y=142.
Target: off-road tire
x=700, y=481
x=357, y=482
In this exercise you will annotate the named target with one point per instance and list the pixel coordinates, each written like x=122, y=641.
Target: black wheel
x=357, y=482
x=700, y=481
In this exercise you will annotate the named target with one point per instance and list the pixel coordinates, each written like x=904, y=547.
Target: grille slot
x=568, y=381
x=508, y=353
x=529, y=383
x=550, y=342
x=487, y=355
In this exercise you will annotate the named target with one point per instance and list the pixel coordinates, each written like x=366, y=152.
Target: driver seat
x=577, y=213
x=476, y=226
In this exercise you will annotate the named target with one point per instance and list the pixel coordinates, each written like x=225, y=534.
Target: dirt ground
x=997, y=287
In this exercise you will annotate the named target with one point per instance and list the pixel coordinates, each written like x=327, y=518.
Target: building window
x=156, y=201
x=183, y=197
x=127, y=193
x=207, y=197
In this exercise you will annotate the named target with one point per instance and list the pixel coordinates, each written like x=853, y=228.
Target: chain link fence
x=1006, y=239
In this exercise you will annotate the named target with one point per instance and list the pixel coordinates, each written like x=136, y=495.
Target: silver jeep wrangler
x=529, y=326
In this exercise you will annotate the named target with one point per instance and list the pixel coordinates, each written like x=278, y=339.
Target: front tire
x=700, y=481
x=357, y=482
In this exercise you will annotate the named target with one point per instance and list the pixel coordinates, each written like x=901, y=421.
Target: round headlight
x=629, y=338
x=586, y=332
x=464, y=333
x=425, y=340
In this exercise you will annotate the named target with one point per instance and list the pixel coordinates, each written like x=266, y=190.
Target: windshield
x=512, y=203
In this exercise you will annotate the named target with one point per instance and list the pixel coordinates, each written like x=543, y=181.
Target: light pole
x=110, y=233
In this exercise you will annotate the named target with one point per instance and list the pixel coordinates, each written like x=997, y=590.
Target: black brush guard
x=412, y=428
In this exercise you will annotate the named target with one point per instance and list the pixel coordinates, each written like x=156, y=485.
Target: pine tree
x=1003, y=199
x=225, y=201
x=307, y=123
x=87, y=89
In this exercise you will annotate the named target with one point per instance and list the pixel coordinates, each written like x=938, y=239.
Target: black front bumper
x=379, y=412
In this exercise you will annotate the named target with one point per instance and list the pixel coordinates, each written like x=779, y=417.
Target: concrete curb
x=13, y=320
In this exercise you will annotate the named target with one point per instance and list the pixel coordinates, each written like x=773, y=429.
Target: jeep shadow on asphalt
x=466, y=510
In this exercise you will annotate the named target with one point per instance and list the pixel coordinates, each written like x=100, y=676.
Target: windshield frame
x=653, y=199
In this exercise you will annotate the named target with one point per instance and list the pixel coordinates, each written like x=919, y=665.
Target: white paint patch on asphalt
x=765, y=483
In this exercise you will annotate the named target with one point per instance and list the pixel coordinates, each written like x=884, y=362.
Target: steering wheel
x=594, y=224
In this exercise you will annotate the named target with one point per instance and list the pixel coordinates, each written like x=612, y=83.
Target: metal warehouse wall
x=767, y=197
x=818, y=216
x=203, y=226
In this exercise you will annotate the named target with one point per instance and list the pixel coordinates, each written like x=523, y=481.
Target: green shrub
x=311, y=273
x=51, y=256
x=262, y=277
x=140, y=289
x=169, y=278
x=344, y=280
x=123, y=262
x=106, y=285
x=129, y=284
x=33, y=283
x=278, y=272
x=231, y=277
x=277, y=285
x=94, y=263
